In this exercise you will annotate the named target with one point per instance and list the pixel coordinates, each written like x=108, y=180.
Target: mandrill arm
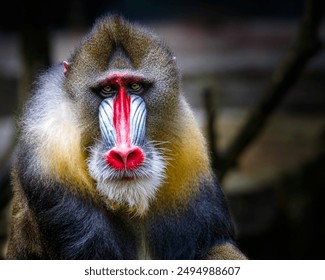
x=226, y=251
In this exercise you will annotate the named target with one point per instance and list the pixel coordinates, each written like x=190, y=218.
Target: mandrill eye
x=135, y=87
x=107, y=91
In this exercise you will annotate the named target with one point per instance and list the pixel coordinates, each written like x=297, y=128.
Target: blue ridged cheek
x=106, y=122
x=138, y=115
x=138, y=120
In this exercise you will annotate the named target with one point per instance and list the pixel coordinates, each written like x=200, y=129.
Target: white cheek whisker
x=164, y=152
x=157, y=143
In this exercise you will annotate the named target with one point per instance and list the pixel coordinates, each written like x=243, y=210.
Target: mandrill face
x=127, y=93
x=127, y=167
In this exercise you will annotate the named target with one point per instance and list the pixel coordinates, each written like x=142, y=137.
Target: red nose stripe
x=121, y=118
x=123, y=155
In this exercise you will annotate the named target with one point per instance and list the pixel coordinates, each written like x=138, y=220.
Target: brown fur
x=24, y=230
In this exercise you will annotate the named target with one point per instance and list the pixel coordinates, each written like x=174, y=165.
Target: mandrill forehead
x=116, y=44
x=119, y=58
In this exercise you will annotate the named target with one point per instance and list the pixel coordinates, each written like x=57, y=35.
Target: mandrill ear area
x=66, y=66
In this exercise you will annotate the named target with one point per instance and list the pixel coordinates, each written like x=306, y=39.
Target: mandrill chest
x=185, y=235
x=138, y=229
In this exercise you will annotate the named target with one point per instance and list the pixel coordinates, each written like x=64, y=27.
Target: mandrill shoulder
x=52, y=131
x=176, y=231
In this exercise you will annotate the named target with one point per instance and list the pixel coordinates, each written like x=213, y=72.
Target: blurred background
x=258, y=93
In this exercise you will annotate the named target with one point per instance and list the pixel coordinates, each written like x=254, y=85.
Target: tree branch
x=210, y=107
x=306, y=45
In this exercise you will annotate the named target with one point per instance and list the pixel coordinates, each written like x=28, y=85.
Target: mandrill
x=111, y=163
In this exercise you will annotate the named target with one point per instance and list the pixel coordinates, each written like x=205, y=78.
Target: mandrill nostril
x=125, y=158
x=117, y=158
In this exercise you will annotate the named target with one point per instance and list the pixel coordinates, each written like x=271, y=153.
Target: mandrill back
x=111, y=163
